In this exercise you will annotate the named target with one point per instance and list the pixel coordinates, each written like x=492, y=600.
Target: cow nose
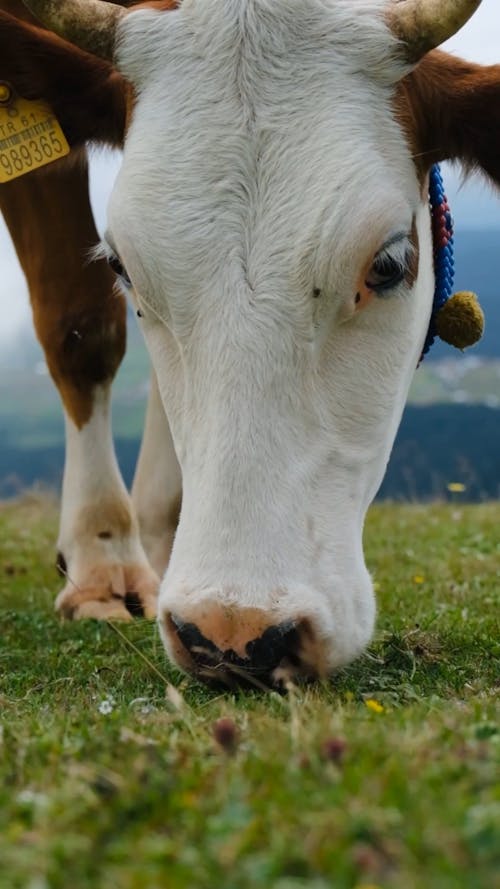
x=262, y=655
x=240, y=647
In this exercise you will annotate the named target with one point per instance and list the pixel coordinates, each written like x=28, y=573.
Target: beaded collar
x=444, y=262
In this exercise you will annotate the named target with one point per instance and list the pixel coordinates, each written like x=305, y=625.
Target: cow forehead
x=260, y=130
x=262, y=31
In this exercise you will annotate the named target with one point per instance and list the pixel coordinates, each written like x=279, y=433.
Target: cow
x=270, y=224
x=110, y=569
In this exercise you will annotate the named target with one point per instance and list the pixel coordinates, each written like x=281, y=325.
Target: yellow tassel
x=460, y=322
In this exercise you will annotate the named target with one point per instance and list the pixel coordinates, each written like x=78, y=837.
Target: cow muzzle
x=230, y=646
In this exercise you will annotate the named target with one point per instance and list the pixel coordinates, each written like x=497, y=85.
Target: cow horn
x=424, y=24
x=89, y=24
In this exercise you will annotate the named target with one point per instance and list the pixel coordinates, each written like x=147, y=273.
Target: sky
x=473, y=203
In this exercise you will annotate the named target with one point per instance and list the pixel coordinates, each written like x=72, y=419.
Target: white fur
x=94, y=500
x=264, y=160
x=157, y=487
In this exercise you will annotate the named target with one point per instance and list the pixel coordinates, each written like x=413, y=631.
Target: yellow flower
x=418, y=578
x=374, y=706
x=456, y=488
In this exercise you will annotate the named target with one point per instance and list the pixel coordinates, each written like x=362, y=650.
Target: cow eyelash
x=118, y=268
x=104, y=251
x=390, y=266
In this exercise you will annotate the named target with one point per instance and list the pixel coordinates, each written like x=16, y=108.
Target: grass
x=387, y=776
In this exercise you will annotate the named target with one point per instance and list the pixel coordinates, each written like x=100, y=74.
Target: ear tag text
x=30, y=135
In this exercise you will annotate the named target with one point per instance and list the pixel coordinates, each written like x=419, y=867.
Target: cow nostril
x=258, y=657
x=193, y=640
x=275, y=644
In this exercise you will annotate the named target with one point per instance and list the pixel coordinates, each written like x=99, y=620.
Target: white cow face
x=270, y=218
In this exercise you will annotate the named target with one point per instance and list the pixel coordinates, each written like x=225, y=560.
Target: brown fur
x=113, y=516
x=79, y=317
x=87, y=95
x=450, y=110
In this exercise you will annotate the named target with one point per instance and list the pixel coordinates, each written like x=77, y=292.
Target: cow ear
x=87, y=95
x=451, y=111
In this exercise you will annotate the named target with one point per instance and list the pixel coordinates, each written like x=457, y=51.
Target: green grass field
x=114, y=773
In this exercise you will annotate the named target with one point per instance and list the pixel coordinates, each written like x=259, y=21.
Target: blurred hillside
x=477, y=257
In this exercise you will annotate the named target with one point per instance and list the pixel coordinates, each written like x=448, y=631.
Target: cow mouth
x=284, y=654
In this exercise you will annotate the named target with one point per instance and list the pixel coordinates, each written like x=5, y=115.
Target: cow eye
x=388, y=270
x=116, y=265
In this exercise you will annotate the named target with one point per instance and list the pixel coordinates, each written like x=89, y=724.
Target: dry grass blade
x=172, y=693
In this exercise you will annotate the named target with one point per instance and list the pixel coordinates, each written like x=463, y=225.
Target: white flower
x=106, y=706
x=29, y=797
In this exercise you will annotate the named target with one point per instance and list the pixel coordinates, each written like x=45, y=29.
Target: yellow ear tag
x=30, y=135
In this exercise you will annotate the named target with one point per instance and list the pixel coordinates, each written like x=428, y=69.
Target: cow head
x=272, y=216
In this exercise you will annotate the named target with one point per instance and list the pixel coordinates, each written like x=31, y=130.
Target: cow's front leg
x=157, y=488
x=80, y=321
x=100, y=554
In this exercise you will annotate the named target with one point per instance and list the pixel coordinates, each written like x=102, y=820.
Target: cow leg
x=80, y=321
x=157, y=487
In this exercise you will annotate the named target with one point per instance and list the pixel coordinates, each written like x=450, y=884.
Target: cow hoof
x=110, y=592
